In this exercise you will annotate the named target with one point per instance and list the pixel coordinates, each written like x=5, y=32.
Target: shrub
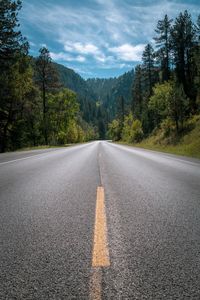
x=132, y=130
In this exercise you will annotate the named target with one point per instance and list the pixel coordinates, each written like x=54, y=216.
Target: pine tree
x=178, y=105
x=163, y=42
x=121, y=112
x=47, y=80
x=182, y=37
x=197, y=30
x=13, y=47
x=11, y=40
x=196, y=63
x=137, y=93
x=148, y=68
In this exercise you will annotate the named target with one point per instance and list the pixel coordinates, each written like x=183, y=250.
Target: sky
x=97, y=38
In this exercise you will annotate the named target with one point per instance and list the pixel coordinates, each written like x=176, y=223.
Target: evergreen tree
x=196, y=64
x=197, y=30
x=148, y=68
x=47, y=80
x=163, y=42
x=178, y=105
x=101, y=122
x=137, y=93
x=121, y=108
x=13, y=47
x=121, y=112
x=182, y=37
x=11, y=39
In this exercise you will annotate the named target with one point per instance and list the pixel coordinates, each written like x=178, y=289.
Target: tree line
x=166, y=86
x=35, y=108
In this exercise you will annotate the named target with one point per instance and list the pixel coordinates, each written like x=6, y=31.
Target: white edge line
x=10, y=161
x=41, y=154
x=164, y=154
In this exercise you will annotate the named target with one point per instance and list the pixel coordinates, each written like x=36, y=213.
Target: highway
x=99, y=221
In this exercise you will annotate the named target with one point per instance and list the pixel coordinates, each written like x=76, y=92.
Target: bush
x=132, y=130
x=167, y=127
x=114, y=130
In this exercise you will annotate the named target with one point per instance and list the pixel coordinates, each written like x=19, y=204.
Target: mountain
x=108, y=91
x=70, y=79
x=86, y=98
x=96, y=92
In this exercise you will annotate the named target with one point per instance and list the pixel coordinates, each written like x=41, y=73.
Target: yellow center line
x=100, y=256
x=96, y=284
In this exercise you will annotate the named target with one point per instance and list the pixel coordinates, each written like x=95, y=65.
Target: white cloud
x=65, y=57
x=80, y=58
x=32, y=44
x=83, y=48
x=43, y=45
x=101, y=33
x=128, y=52
x=87, y=49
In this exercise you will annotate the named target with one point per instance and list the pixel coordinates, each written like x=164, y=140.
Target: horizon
x=96, y=39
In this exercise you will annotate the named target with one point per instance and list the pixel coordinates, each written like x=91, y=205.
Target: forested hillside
x=166, y=86
x=99, y=98
x=45, y=103
x=109, y=91
x=38, y=103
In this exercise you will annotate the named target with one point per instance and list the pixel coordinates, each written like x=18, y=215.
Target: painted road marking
x=31, y=156
x=96, y=284
x=100, y=256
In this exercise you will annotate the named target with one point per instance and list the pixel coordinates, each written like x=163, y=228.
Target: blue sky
x=96, y=38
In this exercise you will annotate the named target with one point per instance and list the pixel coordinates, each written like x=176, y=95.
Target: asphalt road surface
x=142, y=240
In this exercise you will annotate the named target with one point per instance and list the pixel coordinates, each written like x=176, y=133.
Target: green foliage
x=182, y=40
x=137, y=92
x=132, y=130
x=108, y=91
x=36, y=109
x=169, y=101
x=163, y=42
x=47, y=81
x=178, y=106
x=11, y=39
x=18, y=81
x=85, y=94
x=168, y=128
x=166, y=87
x=114, y=130
x=148, y=58
x=166, y=140
x=13, y=48
x=72, y=132
x=63, y=109
x=159, y=101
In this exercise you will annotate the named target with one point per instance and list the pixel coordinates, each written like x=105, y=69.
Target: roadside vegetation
x=187, y=144
x=35, y=108
x=157, y=105
x=165, y=111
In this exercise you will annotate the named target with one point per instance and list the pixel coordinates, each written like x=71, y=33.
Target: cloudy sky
x=97, y=38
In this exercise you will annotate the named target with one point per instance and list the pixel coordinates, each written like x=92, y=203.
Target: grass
x=43, y=147
x=188, y=144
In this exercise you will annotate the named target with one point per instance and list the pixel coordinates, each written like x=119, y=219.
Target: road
x=99, y=221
